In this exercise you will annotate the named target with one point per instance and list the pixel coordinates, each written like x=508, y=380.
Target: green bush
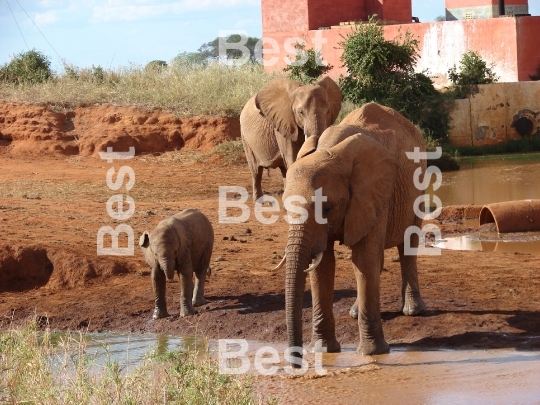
x=472, y=70
x=27, y=68
x=158, y=65
x=307, y=66
x=383, y=71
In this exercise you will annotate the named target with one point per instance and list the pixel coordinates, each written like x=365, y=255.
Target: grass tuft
x=232, y=152
x=36, y=369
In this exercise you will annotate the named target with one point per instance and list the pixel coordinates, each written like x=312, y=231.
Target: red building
x=510, y=42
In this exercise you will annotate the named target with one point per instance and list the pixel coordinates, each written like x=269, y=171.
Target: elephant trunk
x=168, y=266
x=315, y=127
x=298, y=259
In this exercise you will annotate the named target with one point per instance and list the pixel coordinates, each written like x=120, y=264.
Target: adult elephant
x=276, y=121
x=367, y=179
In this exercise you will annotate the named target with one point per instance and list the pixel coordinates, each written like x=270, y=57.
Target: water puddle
x=527, y=243
x=413, y=377
x=129, y=350
x=400, y=377
x=491, y=179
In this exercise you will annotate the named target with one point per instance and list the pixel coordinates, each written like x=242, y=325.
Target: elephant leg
x=257, y=182
x=198, y=294
x=256, y=171
x=322, y=292
x=159, y=285
x=186, y=295
x=412, y=303
x=353, y=312
x=284, y=175
x=366, y=263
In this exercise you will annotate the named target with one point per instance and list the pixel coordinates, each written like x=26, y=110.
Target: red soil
x=51, y=208
x=31, y=130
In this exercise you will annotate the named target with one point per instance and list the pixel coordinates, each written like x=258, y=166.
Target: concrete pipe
x=512, y=216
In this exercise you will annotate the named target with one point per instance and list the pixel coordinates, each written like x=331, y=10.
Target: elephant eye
x=327, y=209
x=301, y=112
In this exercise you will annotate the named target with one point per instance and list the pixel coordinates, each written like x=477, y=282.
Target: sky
x=113, y=33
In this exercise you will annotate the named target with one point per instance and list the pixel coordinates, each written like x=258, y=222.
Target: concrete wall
x=277, y=14
x=467, y=13
x=304, y=15
x=510, y=43
x=486, y=117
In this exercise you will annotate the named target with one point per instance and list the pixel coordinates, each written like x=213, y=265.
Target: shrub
x=27, y=68
x=383, y=71
x=472, y=70
x=157, y=65
x=307, y=66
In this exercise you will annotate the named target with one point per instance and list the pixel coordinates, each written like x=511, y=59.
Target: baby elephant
x=182, y=242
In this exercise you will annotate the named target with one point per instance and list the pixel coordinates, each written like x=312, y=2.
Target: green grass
x=214, y=90
x=232, y=152
x=34, y=370
x=512, y=146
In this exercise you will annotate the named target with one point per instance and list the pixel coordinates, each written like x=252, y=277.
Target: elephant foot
x=413, y=305
x=199, y=301
x=370, y=347
x=324, y=346
x=353, y=312
x=160, y=313
x=187, y=311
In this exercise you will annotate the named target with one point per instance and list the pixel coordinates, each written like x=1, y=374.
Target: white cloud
x=45, y=18
x=116, y=10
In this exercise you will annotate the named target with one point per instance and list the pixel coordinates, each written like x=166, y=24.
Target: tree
x=156, y=65
x=210, y=50
x=307, y=66
x=383, y=71
x=472, y=70
x=190, y=59
x=27, y=68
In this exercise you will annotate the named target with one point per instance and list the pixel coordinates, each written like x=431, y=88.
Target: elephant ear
x=372, y=180
x=274, y=102
x=144, y=240
x=309, y=146
x=334, y=96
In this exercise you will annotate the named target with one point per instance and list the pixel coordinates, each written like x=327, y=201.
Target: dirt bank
x=30, y=130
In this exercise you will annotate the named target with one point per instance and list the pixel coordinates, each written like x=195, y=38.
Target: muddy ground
x=51, y=208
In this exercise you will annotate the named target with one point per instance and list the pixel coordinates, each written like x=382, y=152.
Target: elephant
x=275, y=122
x=183, y=243
x=367, y=180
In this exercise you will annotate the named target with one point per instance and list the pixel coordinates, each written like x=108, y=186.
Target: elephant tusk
x=281, y=263
x=317, y=261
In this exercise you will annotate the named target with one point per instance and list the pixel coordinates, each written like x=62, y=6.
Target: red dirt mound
x=26, y=267
x=37, y=130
